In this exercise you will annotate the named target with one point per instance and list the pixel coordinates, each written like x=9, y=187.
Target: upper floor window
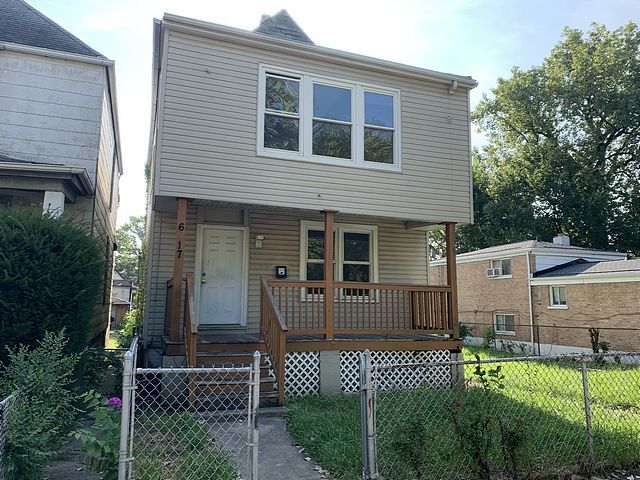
x=303, y=117
x=499, y=268
x=558, y=296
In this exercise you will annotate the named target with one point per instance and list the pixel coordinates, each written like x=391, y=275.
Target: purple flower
x=114, y=402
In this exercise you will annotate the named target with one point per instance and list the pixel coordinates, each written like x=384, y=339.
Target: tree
x=130, y=241
x=563, y=145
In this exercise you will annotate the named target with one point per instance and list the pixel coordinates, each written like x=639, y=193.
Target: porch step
x=226, y=387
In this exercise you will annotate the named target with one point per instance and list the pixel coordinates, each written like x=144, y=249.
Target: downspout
x=533, y=350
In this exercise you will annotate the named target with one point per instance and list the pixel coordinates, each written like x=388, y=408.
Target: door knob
x=203, y=279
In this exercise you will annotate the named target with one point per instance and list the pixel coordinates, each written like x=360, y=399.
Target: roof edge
x=260, y=40
x=45, y=168
x=45, y=52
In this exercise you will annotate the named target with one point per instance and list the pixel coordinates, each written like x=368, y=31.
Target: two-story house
x=511, y=291
x=59, y=142
x=291, y=189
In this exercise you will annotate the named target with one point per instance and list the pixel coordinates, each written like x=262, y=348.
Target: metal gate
x=189, y=423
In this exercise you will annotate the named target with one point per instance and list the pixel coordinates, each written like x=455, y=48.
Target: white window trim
x=500, y=277
x=306, y=121
x=339, y=229
x=553, y=306
x=504, y=332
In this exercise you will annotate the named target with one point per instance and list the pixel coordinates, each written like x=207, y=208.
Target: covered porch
x=323, y=315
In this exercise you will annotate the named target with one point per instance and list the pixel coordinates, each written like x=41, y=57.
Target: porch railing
x=274, y=332
x=190, y=323
x=364, y=308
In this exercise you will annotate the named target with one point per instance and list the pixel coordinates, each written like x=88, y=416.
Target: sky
x=481, y=38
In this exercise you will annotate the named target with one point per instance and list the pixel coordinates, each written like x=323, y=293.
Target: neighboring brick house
x=581, y=294
x=496, y=292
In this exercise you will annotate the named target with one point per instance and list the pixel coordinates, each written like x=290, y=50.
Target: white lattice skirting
x=434, y=377
x=302, y=371
x=302, y=374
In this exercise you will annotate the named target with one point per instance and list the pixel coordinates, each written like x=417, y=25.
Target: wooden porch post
x=452, y=276
x=178, y=268
x=328, y=273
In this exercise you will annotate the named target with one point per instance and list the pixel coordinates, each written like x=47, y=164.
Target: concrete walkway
x=279, y=458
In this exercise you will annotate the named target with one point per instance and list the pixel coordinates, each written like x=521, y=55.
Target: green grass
x=175, y=446
x=541, y=404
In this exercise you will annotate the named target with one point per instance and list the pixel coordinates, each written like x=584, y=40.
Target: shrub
x=51, y=277
x=101, y=440
x=41, y=410
x=465, y=331
x=130, y=327
x=489, y=339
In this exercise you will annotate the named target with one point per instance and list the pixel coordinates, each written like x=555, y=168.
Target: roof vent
x=561, y=239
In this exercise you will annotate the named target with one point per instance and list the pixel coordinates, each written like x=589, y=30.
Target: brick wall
x=480, y=297
x=614, y=308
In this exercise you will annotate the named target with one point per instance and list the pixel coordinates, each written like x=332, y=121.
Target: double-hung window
x=355, y=254
x=504, y=323
x=304, y=117
x=282, y=113
x=558, y=296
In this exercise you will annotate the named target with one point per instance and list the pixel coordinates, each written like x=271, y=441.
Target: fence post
x=587, y=412
x=254, y=403
x=367, y=419
x=127, y=375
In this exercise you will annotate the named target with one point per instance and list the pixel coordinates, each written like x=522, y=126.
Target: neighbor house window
x=500, y=267
x=558, y=296
x=355, y=250
x=504, y=323
x=304, y=117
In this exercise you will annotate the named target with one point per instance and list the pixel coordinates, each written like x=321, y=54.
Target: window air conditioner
x=493, y=272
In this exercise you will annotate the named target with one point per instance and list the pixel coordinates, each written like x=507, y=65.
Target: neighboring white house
x=59, y=140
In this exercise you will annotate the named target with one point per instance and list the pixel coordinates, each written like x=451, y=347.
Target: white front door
x=222, y=280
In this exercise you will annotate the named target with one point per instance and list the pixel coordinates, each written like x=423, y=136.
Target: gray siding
x=401, y=256
x=207, y=140
x=50, y=110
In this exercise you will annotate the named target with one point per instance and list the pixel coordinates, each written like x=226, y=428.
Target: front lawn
x=539, y=408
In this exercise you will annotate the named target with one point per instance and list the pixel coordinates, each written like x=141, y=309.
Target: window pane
x=281, y=132
x=315, y=245
x=331, y=140
x=315, y=271
x=332, y=103
x=282, y=94
x=356, y=247
x=506, y=267
x=562, y=295
x=355, y=273
x=378, y=109
x=509, y=323
x=378, y=145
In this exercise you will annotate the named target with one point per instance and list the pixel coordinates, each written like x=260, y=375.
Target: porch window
x=558, y=296
x=355, y=248
x=504, y=323
x=306, y=117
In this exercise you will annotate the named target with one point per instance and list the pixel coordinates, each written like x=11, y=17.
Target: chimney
x=561, y=239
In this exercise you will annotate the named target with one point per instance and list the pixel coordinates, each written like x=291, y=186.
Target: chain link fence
x=5, y=405
x=553, y=339
x=191, y=423
x=511, y=418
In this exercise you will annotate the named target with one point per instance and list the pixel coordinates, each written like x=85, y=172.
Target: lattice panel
x=302, y=374
x=435, y=377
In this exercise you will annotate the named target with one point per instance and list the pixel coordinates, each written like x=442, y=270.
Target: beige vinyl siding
x=208, y=136
x=401, y=256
